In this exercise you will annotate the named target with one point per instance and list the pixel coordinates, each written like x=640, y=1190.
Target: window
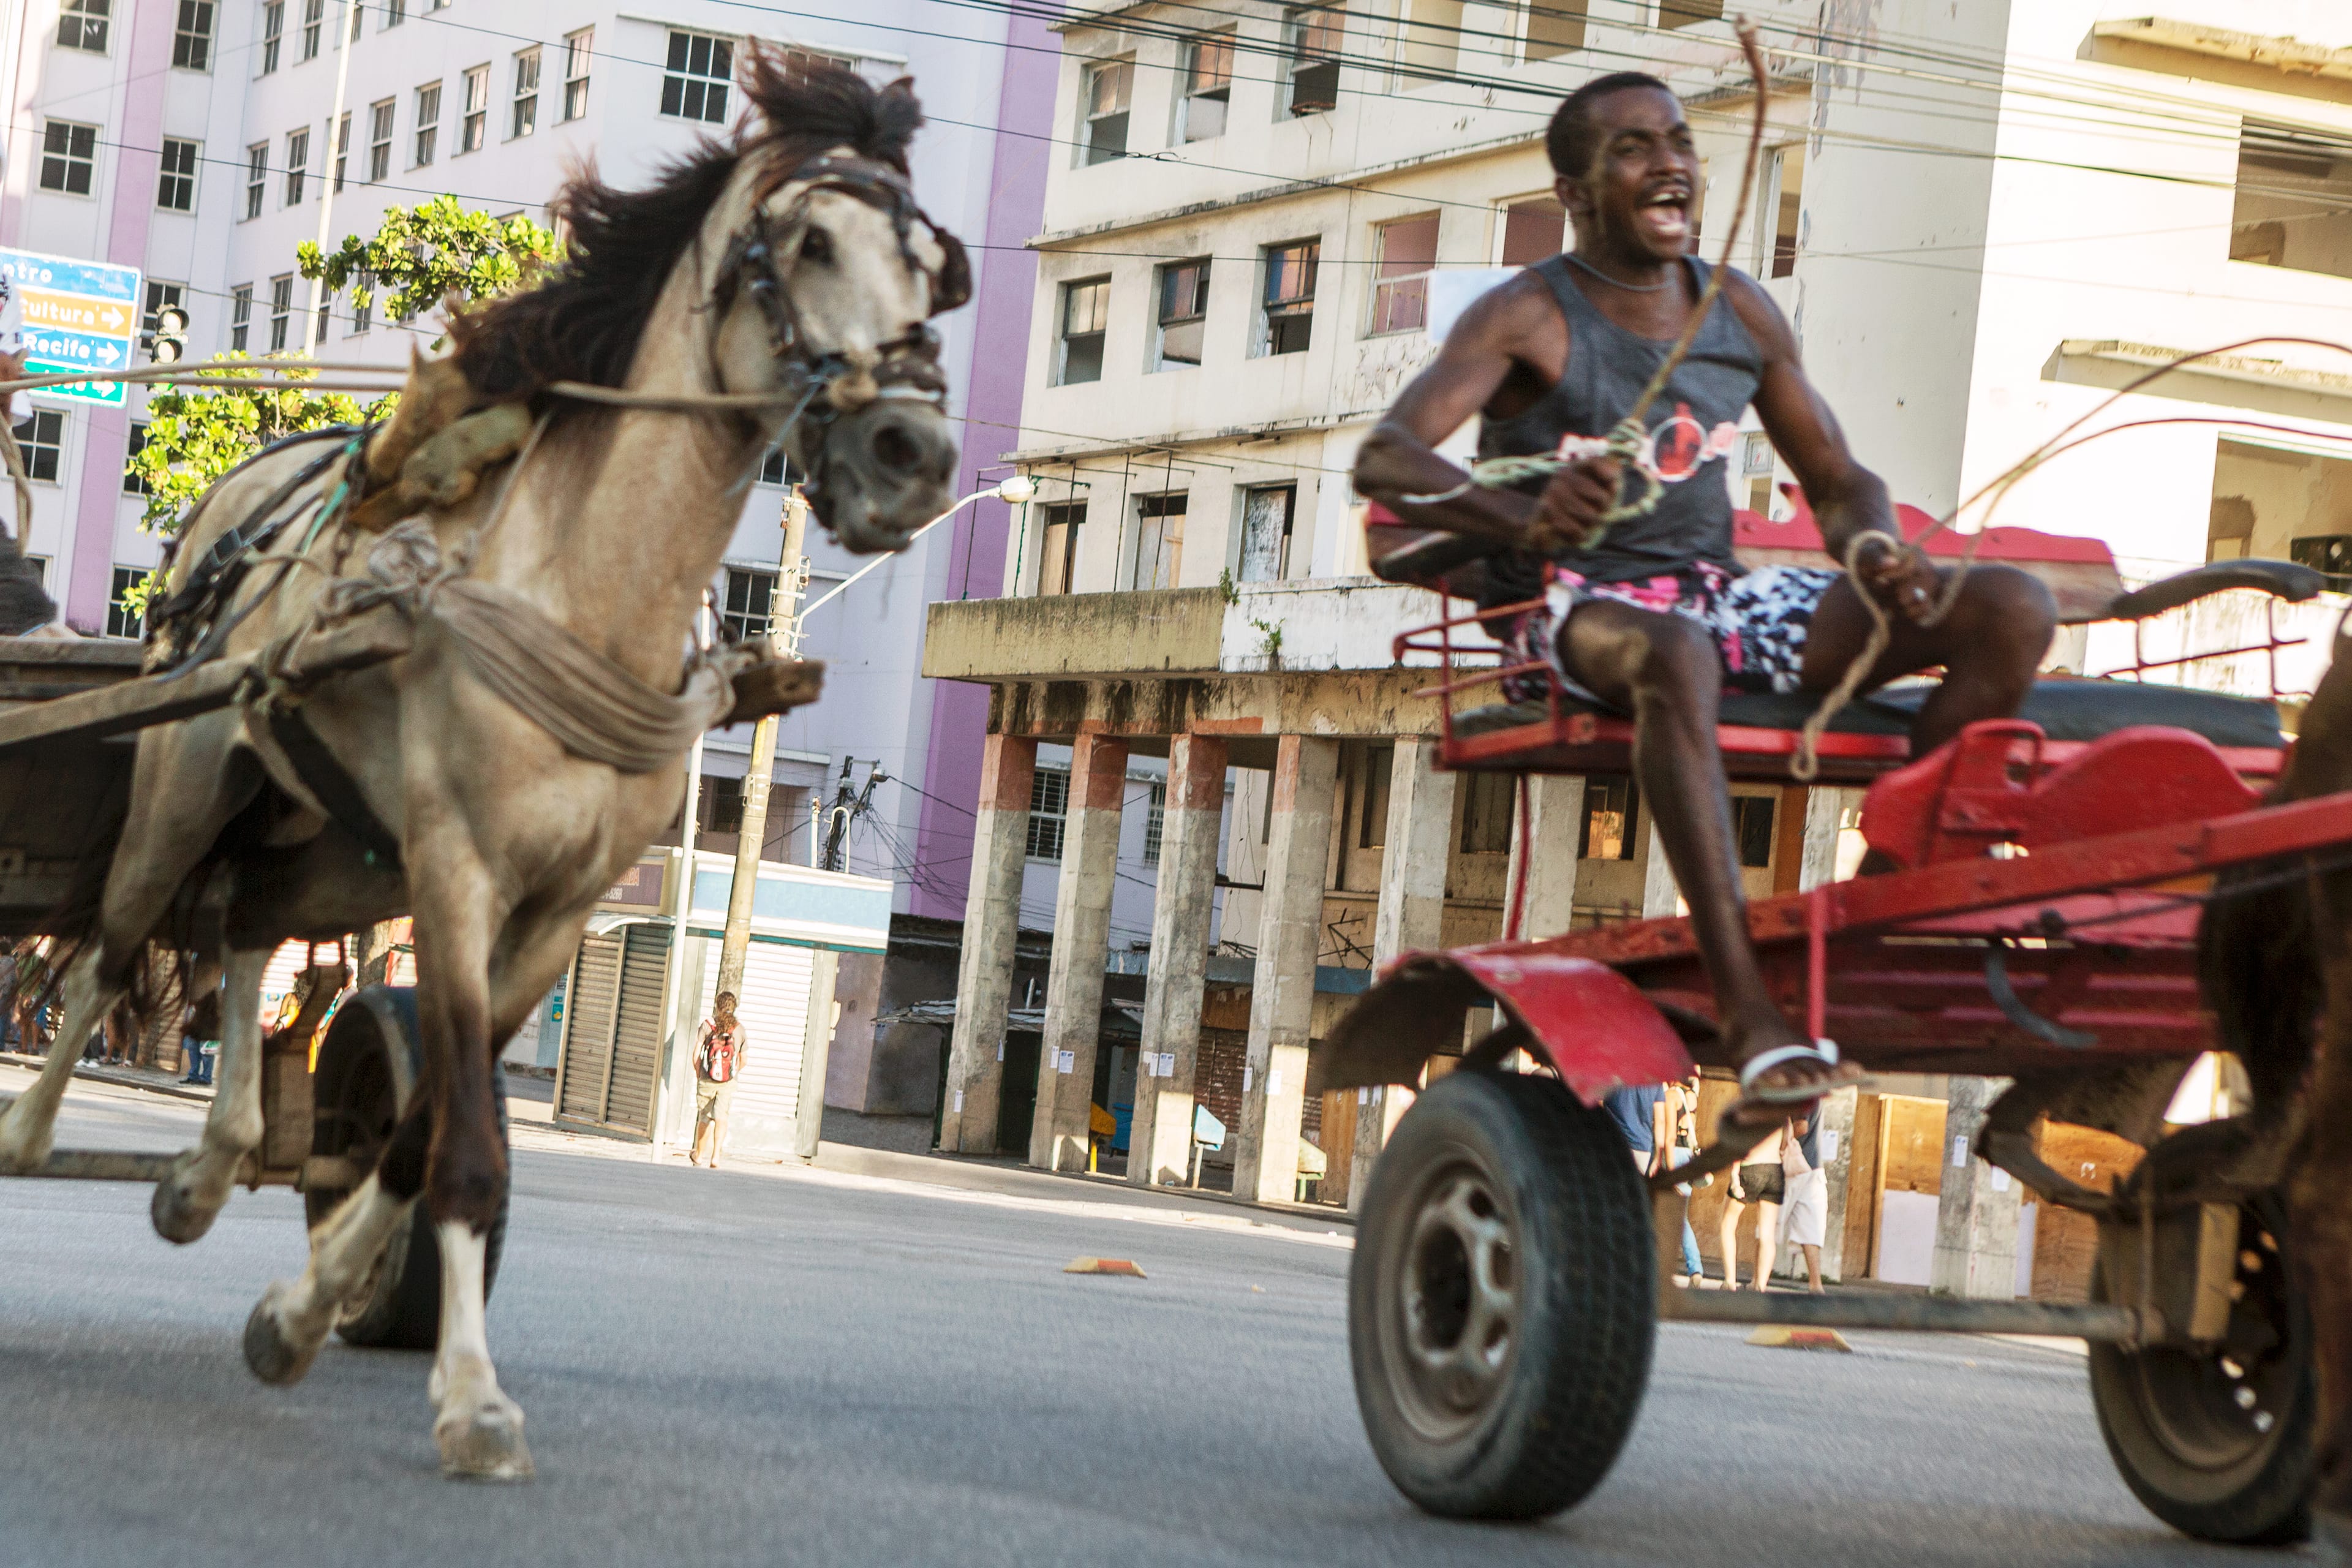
x=68, y=156
x=800, y=62
x=313, y=14
x=1183, y=314
x=525, y=118
x=192, y=39
x=240, y=316
x=1208, y=90
x=1555, y=27
x=1313, y=35
x=777, y=468
x=1058, y=549
x=1487, y=803
x=132, y=485
x=273, y=33
x=2328, y=552
x=1756, y=469
x=1751, y=828
x=362, y=316
x=1265, y=533
x=359, y=13
x=723, y=805
x=81, y=25
x=1049, y=810
x=40, y=565
x=159, y=295
x=1373, y=797
x=1688, y=13
x=428, y=122
x=297, y=164
x=473, y=126
x=42, y=440
x=1104, y=135
x=1405, y=253
x=395, y=11
x=257, y=177
x=695, y=81
x=1534, y=230
x=342, y=147
x=2294, y=205
x=326, y=317
x=1430, y=42
x=1155, y=822
x=1289, y=298
x=122, y=620
x=579, y=48
x=751, y=601
x=1785, y=175
x=1612, y=806
x=1085, y=314
x=281, y=309
x=175, y=187
x=379, y=140
x=1159, y=552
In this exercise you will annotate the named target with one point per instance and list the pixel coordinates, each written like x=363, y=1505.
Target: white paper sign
x=959, y=1105
x=1167, y=1064
x=1066, y=1061
x=1829, y=1145
x=2000, y=1180
x=1959, y=1153
x=1000, y=1050
x=1363, y=1097
x=1247, y=1073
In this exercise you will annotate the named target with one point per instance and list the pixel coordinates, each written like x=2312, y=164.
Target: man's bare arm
x=1400, y=457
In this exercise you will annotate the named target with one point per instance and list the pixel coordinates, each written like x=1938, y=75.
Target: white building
x=192, y=139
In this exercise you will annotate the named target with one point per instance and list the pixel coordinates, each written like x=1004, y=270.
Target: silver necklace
x=1575, y=260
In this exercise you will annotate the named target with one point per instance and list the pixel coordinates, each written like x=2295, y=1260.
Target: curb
x=118, y=1079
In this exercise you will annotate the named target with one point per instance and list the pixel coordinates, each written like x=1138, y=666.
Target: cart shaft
x=1932, y=1314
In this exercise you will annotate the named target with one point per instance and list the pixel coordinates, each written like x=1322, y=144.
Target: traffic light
x=171, y=336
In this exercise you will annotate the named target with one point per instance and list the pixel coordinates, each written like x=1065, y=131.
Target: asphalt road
x=835, y=1367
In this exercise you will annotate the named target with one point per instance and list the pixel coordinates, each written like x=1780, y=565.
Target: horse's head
x=821, y=296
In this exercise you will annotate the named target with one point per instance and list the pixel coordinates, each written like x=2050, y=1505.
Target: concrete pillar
x=1825, y=806
x=1073, y=983
x=1411, y=913
x=1660, y=897
x=1543, y=837
x=1282, y=998
x=999, y=848
x=1976, y=1214
x=1160, y=1140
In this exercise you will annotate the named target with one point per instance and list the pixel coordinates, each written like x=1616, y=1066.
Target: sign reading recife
x=79, y=315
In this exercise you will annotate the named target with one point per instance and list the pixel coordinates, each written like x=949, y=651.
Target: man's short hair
x=1569, y=142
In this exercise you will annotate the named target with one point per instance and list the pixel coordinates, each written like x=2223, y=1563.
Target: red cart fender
x=1584, y=1020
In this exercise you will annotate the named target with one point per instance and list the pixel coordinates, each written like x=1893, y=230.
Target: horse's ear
x=954, y=286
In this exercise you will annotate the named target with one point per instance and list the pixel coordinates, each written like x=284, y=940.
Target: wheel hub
x=1456, y=1297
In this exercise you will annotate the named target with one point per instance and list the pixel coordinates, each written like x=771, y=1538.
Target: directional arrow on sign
x=108, y=355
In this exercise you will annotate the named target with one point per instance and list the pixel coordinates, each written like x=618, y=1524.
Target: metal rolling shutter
x=588, y=1031
x=637, y=1042
x=774, y=1009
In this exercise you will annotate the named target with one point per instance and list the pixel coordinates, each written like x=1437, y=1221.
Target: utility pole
x=783, y=610
x=312, y=334
x=678, y=1079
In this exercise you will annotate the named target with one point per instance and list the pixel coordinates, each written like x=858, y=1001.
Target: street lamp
x=1018, y=490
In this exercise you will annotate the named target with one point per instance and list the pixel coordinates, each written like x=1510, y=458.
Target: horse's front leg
x=28, y=1124
x=187, y=1201
x=2319, y=1211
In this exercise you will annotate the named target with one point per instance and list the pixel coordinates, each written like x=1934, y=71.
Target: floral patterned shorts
x=1759, y=619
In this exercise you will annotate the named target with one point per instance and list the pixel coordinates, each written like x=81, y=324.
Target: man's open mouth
x=1665, y=217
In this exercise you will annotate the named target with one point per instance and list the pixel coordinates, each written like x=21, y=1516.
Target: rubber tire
x=1584, y=1263
x=402, y=1307
x=2265, y=1500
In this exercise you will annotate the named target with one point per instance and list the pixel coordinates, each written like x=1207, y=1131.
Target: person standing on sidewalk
x=717, y=1059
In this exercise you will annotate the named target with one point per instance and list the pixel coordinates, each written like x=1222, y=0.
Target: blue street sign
x=79, y=315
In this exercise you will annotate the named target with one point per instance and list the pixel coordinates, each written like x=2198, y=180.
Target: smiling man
x=1653, y=615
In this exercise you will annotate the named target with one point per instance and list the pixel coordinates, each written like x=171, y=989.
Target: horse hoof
x=274, y=1358
x=178, y=1217
x=21, y=1155
x=484, y=1443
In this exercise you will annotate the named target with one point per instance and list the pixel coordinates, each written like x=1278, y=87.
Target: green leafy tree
x=418, y=258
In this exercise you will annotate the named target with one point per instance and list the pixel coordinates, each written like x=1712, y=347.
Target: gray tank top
x=1693, y=427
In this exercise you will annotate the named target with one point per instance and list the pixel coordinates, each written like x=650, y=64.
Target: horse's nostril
x=895, y=451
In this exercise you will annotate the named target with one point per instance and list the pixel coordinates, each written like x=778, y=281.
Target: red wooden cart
x=1507, y=1274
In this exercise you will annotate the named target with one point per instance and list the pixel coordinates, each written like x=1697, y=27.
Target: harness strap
x=332, y=783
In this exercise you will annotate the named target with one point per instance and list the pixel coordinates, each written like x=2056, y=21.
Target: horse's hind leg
x=187, y=1201
x=291, y=1322
x=28, y=1127
x=2319, y=1204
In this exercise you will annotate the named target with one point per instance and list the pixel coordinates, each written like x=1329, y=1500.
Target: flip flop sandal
x=1822, y=1051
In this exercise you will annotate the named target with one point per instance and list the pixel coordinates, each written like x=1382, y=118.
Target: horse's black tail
x=2258, y=970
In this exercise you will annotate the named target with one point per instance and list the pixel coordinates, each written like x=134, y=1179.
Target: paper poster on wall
x=1066, y=1061
x=1167, y=1064
x=1829, y=1142
x=1959, y=1153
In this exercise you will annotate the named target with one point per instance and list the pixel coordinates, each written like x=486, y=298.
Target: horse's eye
x=817, y=247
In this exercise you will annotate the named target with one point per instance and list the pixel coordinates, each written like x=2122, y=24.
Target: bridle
x=823, y=386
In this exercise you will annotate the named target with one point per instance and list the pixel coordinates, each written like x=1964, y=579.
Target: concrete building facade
x=1258, y=224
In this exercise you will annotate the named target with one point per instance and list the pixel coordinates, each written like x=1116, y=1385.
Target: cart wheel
x=2217, y=1443
x=367, y=1067
x=1502, y=1303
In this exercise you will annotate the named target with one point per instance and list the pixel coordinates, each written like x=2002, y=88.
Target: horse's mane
x=583, y=323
